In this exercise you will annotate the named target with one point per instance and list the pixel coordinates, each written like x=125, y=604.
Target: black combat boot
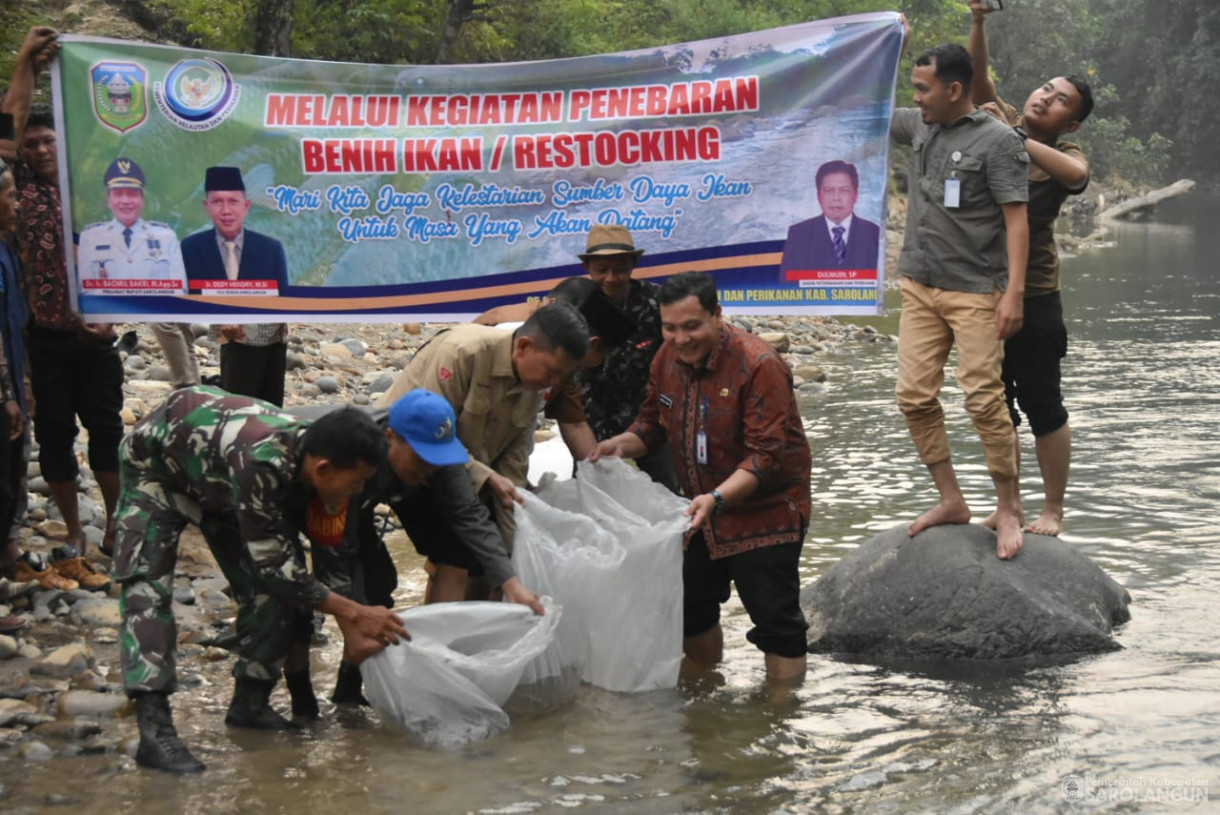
x=300, y=688
x=347, y=686
x=251, y=707
x=160, y=747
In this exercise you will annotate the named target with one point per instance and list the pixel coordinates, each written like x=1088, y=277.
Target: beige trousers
x=178, y=344
x=933, y=321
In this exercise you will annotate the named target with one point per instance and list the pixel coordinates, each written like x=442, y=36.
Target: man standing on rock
x=74, y=366
x=963, y=279
x=494, y=380
x=615, y=389
x=1031, y=370
x=249, y=477
x=723, y=399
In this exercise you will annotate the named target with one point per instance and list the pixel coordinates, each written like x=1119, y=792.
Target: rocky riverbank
x=60, y=682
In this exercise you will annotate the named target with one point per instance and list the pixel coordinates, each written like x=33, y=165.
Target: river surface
x=1137, y=725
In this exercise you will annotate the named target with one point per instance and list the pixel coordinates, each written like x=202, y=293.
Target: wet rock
x=810, y=373
x=16, y=712
x=863, y=781
x=776, y=339
x=9, y=738
x=64, y=662
x=34, y=750
x=103, y=612
x=68, y=729
x=8, y=647
x=92, y=703
x=945, y=595
x=214, y=599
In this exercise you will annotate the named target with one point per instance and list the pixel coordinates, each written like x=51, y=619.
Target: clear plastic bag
x=447, y=685
x=608, y=547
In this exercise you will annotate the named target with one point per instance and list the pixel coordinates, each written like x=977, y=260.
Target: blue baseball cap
x=426, y=422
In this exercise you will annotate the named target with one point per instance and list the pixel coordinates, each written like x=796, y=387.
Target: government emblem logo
x=119, y=99
x=197, y=94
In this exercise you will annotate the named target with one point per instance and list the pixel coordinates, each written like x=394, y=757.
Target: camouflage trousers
x=149, y=520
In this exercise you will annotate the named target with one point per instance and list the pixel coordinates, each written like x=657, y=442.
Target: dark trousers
x=72, y=378
x=254, y=370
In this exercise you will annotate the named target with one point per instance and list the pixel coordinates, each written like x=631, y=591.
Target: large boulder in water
x=945, y=595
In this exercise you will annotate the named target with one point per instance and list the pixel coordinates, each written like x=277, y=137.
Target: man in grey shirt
x=963, y=279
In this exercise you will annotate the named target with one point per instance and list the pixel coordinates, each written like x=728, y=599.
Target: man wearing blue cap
x=128, y=248
x=252, y=357
x=425, y=458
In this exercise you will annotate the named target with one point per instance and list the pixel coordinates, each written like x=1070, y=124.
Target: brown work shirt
x=1046, y=197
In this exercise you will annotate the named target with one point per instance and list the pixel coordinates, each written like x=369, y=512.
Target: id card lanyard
x=701, y=436
x=953, y=184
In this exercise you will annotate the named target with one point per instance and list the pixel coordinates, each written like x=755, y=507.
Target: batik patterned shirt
x=742, y=400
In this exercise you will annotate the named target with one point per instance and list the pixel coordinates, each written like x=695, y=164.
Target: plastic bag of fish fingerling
x=608, y=547
x=446, y=686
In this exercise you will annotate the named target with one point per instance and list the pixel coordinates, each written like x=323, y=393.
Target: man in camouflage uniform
x=248, y=476
x=614, y=390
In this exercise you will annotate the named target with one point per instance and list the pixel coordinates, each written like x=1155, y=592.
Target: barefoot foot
x=955, y=512
x=1050, y=522
x=1008, y=536
x=990, y=520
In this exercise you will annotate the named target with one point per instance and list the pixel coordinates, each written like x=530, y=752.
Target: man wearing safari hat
x=614, y=390
x=127, y=247
x=252, y=357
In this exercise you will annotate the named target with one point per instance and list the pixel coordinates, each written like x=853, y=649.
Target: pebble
x=35, y=750
x=64, y=662
x=8, y=647
x=327, y=384
x=92, y=703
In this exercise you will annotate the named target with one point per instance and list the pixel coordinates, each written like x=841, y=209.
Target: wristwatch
x=719, y=499
x=1022, y=132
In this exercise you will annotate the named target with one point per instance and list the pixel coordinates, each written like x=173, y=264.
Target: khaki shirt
x=472, y=367
x=961, y=248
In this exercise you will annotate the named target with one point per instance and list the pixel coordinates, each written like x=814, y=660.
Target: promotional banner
x=210, y=187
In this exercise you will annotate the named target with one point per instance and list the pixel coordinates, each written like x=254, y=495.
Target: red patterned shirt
x=742, y=399
x=40, y=245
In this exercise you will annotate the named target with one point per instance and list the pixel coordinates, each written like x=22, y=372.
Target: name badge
x=701, y=447
x=666, y=401
x=953, y=193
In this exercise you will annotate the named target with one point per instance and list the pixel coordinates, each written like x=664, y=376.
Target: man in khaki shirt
x=494, y=380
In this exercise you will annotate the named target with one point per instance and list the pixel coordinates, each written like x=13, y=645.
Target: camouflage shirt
x=235, y=455
x=614, y=390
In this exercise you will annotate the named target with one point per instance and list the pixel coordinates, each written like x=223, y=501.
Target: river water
x=1141, y=724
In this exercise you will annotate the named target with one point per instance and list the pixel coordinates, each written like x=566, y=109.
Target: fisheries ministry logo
x=197, y=94
x=1072, y=787
x=118, y=94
